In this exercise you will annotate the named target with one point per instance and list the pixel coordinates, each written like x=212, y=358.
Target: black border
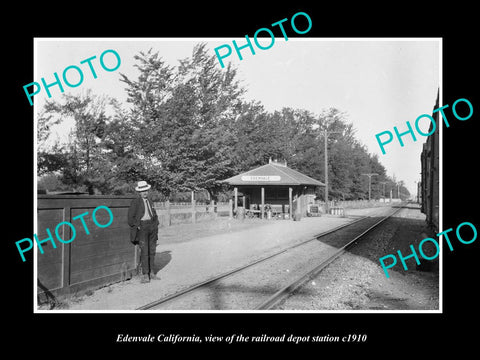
x=394, y=333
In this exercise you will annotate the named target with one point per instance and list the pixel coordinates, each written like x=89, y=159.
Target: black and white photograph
x=217, y=181
x=284, y=180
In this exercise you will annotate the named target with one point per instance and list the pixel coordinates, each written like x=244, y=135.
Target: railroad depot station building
x=273, y=190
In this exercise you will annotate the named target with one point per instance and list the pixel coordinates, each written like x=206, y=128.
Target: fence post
x=168, y=221
x=193, y=208
x=214, y=209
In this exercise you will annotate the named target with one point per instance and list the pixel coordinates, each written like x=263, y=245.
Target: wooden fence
x=191, y=212
x=354, y=204
x=105, y=255
x=90, y=260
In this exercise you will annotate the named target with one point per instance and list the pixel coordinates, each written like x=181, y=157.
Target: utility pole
x=370, y=184
x=325, y=136
x=383, y=183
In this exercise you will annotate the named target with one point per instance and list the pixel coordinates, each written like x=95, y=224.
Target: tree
x=50, y=157
x=216, y=104
x=248, y=137
x=298, y=137
x=149, y=152
x=77, y=159
x=183, y=120
x=188, y=127
x=96, y=144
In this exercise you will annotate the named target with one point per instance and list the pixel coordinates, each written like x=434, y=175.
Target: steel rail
x=236, y=270
x=292, y=286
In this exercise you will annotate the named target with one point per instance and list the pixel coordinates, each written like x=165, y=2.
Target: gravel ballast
x=356, y=281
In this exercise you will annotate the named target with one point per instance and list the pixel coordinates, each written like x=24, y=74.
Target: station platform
x=181, y=264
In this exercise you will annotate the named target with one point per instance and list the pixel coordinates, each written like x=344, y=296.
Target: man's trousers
x=147, y=240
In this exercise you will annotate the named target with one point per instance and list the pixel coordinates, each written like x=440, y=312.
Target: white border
x=306, y=39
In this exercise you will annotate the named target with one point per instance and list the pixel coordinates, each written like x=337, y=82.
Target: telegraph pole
x=325, y=136
x=383, y=183
x=370, y=184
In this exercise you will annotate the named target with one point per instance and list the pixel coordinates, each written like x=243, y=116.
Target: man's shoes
x=154, y=277
x=144, y=279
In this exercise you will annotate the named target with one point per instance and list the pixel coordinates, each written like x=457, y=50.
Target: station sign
x=261, y=178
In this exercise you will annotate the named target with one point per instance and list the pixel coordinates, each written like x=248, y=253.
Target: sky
x=379, y=82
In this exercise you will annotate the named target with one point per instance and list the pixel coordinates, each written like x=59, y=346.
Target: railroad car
x=429, y=186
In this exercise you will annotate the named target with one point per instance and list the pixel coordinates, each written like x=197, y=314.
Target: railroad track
x=247, y=287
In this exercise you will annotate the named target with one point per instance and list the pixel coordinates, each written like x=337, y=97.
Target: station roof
x=274, y=174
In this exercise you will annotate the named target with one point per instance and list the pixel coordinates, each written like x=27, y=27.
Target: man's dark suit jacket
x=135, y=214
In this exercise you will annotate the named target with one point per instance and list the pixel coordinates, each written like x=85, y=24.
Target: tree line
x=187, y=127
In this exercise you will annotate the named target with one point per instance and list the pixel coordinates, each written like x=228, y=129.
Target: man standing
x=143, y=222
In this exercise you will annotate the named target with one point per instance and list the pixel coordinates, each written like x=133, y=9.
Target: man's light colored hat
x=142, y=186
